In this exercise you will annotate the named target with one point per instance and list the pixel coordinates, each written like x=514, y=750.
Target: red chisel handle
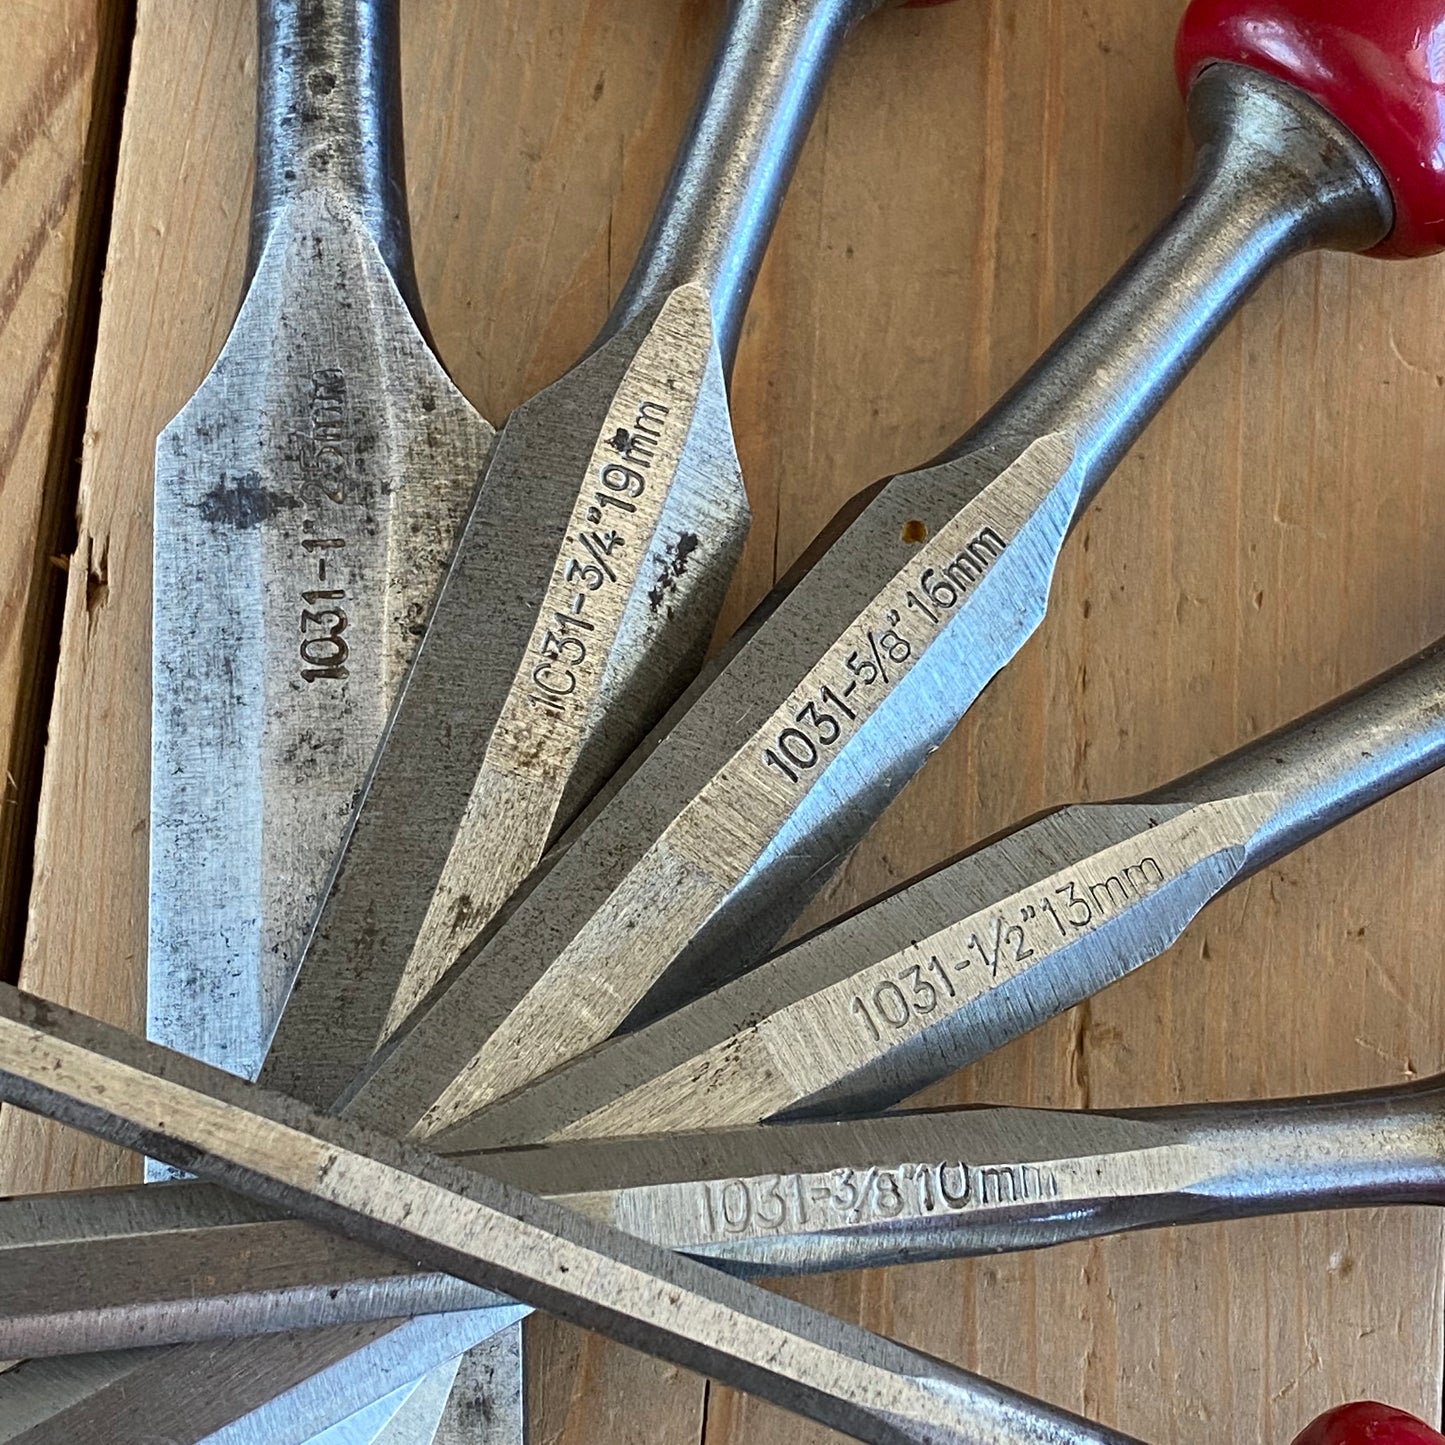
x=1375, y=65
x=1367, y=1422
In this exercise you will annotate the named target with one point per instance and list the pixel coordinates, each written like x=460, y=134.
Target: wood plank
x=1270, y=543
x=61, y=72
x=538, y=138
x=977, y=172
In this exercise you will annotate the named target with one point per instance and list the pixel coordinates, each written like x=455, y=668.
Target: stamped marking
x=326, y=451
x=611, y=542
x=849, y=1198
x=1007, y=523
x=610, y=535
x=863, y=1017
x=327, y=463
x=848, y=687
x=620, y=514
x=1022, y=929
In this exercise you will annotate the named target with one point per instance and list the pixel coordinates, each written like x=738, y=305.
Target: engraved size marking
x=855, y=676
x=602, y=555
x=775, y=1203
x=326, y=448
x=326, y=459
x=601, y=565
x=852, y=681
x=1012, y=936
x=607, y=546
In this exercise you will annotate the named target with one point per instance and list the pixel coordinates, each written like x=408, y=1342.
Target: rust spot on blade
x=677, y=556
x=462, y=913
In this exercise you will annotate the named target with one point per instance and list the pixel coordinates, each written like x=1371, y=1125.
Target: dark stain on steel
x=678, y=554
x=244, y=503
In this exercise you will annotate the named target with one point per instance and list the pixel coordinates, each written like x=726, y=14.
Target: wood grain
x=60, y=74
x=977, y=172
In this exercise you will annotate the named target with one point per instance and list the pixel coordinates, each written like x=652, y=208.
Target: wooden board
x=55, y=104
x=977, y=172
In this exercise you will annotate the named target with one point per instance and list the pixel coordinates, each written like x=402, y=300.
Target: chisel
x=587, y=581
x=967, y=958
x=745, y=802
x=398, y=1197
x=971, y=541
x=306, y=499
x=115, y=1269
x=83, y=1073
x=895, y=997
x=593, y=564
x=979, y=950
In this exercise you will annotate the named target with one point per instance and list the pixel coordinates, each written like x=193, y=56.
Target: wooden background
x=976, y=172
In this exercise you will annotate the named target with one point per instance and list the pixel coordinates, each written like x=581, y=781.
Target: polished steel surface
x=942, y=971
x=307, y=500
x=996, y=942
x=106, y=1271
x=186, y=1262
x=747, y=799
x=307, y=497
x=409, y=1416
x=89, y=1395
x=398, y=1197
x=587, y=582
x=589, y=575
x=585, y=587
x=706, y=824
x=487, y=1403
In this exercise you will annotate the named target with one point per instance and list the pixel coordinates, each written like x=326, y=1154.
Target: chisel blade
x=306, y=500
x=397, y=1197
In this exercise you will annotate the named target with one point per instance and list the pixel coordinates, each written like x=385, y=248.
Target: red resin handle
x=1366, y=1422
x=1378, y=66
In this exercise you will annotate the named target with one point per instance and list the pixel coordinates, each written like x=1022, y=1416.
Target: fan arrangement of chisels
x=473, y=979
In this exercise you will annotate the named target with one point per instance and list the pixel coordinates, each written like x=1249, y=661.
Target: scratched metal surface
x=778, y=1199
x=312, y=488
x=1269, y=544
